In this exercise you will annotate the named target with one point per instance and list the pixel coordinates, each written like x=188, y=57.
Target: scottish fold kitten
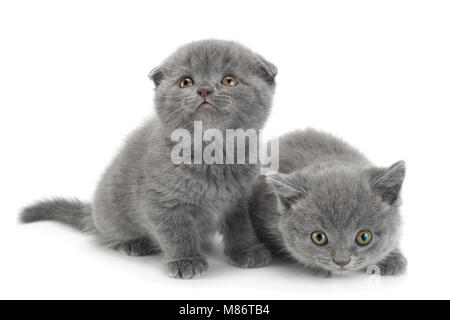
x=329, y=208
x=146, y=204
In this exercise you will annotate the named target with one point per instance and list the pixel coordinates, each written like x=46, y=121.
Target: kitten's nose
x=341, y=262
x=203, y=91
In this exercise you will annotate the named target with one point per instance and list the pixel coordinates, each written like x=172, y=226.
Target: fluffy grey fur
x=326, y=185
x=145, y=204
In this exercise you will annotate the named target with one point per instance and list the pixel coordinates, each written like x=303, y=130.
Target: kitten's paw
x=318, y=272
x=187, y=268
x=138, y=247
x=394, y=264
x=253, y=257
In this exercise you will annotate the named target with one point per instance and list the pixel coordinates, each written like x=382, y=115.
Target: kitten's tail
x=72, y=212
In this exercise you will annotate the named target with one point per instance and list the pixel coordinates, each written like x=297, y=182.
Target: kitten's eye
x=229, y=81
x=319, y=238
x=363, y=237
x=186, y=82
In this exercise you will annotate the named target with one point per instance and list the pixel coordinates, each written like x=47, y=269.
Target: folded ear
x=388, y=182
x=156, y=75
x=266, y=70
x=287, y=188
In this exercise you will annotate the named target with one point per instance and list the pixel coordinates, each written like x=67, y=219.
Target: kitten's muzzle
x=204, y=91
x=342, y=258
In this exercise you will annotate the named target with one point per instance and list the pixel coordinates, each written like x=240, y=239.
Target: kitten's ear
x=156, y=75
x=266, y=69
x=388, y=182
x=287, y=188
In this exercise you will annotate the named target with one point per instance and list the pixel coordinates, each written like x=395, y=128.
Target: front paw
x=254, y=257
x=394, y=264
x=187, y=268
x=318, y=272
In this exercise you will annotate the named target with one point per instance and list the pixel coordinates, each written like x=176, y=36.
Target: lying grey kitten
x=329, y=208
x=145, y=203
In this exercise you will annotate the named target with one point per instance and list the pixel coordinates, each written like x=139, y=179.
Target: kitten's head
x=221, y=83
x=341, y=220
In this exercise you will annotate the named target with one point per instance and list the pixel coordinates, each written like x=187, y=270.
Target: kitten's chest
x=215, y=188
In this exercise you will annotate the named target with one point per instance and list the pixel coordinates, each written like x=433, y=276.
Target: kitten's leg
x=241, y=244
x=142, y=246
x=395, y=263
x=179, y=242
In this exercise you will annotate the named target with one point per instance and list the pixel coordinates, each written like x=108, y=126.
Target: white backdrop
x=73, y=84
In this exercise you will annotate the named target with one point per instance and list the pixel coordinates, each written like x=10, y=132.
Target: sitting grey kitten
x=145, y=203
x=329, y=208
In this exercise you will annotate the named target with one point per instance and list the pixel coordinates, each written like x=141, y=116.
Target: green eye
x=363, y=237
x=319, y=238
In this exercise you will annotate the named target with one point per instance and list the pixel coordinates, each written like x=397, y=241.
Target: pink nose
x=203, y=91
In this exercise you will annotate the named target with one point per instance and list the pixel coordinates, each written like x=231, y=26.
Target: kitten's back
x=302, y=148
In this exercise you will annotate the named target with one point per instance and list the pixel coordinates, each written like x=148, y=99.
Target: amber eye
x=363, y=237
x=229, y=81
x=186, y=82
x=319, y=238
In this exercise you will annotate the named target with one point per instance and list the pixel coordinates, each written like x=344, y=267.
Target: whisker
x=224, y=97
x=226, y=101
x=175, y=111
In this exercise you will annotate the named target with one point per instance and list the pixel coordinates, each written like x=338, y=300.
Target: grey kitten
x=145, y=203
x=329, y=208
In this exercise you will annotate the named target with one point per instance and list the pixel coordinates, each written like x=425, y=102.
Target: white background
x=73, y=84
